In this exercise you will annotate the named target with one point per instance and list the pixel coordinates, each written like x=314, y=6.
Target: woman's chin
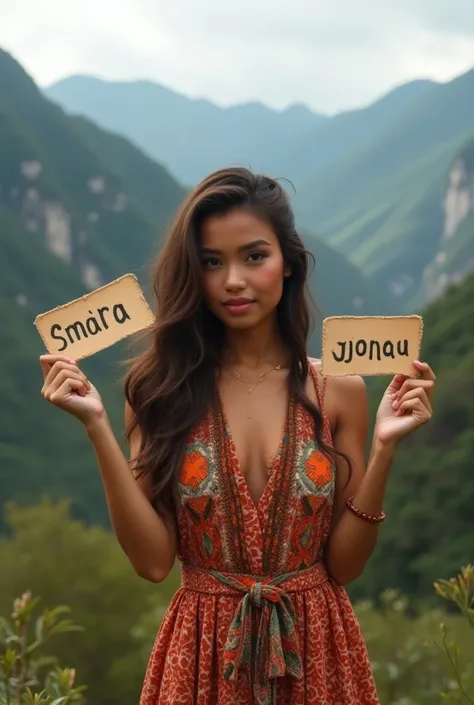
x=242, y=321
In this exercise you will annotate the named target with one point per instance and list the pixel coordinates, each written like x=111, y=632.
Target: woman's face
x=242, y=268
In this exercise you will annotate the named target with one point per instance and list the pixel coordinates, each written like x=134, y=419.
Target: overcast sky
x=329, y=54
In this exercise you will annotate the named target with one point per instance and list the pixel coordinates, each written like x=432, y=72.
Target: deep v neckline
x=275, y=464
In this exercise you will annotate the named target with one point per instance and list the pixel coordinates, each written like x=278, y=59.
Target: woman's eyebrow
x=243, y=248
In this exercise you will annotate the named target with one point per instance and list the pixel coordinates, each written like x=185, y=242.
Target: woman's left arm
x=405, y=406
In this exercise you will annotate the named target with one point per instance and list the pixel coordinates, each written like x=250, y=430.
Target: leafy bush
x=458, y=591
x=414, y=660
x=27, y=675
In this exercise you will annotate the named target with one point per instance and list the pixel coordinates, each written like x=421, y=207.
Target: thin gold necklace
x=260, y=379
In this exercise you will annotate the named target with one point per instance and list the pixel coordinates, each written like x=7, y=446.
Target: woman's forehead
x=236, y=230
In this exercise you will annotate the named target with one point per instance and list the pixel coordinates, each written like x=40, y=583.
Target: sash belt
x=262, y=638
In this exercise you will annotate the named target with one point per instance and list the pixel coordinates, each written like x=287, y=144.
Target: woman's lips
x=238, y=306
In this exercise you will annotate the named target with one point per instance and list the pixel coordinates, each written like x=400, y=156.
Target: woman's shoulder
x=353, y=385
x=341, y=396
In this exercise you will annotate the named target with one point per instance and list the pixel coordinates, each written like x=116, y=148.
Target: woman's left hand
x=406, y=405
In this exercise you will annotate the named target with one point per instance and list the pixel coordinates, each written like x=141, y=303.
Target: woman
x=249, y=465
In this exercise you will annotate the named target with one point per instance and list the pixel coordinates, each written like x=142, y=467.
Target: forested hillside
x=430, y=523
x=398, y=202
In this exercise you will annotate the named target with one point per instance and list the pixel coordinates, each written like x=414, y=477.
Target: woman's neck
x=254, y=348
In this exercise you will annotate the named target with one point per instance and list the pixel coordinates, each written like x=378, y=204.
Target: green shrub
x=27, y=675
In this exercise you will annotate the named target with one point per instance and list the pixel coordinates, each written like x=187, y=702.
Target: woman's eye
x=257, y=256
x=210, y=262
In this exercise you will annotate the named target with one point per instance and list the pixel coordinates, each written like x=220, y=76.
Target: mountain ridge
x=371, y=182
x=414, y=153
x=241, y=134
x=156, y=85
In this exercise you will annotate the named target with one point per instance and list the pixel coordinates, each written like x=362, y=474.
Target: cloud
x=330, y=55
x=454, y=17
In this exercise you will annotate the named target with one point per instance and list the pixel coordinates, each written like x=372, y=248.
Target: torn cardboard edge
x=394, y=370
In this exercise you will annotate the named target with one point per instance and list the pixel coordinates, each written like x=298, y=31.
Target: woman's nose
x=235, y=280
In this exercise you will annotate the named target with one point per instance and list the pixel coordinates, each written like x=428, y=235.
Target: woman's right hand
x=66, y=387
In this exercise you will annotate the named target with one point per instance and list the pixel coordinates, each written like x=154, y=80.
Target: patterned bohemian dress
x=257, y=619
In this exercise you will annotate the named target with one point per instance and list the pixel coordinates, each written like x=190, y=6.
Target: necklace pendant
x=250, y=388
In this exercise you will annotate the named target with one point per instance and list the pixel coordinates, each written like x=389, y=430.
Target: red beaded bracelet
x=364, y=515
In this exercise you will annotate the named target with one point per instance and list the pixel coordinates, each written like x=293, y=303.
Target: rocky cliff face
x=71, y=196
x=455, y=256
x=52, y=222
x=459, y=201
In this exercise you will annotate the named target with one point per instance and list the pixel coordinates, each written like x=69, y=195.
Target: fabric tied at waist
x=262, y=637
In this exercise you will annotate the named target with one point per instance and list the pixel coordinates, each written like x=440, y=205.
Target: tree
x=65, y=562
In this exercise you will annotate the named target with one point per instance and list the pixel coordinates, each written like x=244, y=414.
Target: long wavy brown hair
x=171, y=385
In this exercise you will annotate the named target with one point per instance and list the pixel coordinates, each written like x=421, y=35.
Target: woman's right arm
x=148, y=539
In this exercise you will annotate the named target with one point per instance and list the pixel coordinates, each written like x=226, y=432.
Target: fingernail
x=395, y=404
x=72, y=362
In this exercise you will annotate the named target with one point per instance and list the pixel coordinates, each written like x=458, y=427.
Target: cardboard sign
x=371, y=345
x=96, y=320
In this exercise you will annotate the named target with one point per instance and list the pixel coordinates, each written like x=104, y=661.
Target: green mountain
x=193, y=137
x=60, y=182
x=441, y=113
x=388, y=204
x=343, y=133
x=430, y=523
x=413, y=236
x=371, y=182
x=69, y=222
x=78, y=208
